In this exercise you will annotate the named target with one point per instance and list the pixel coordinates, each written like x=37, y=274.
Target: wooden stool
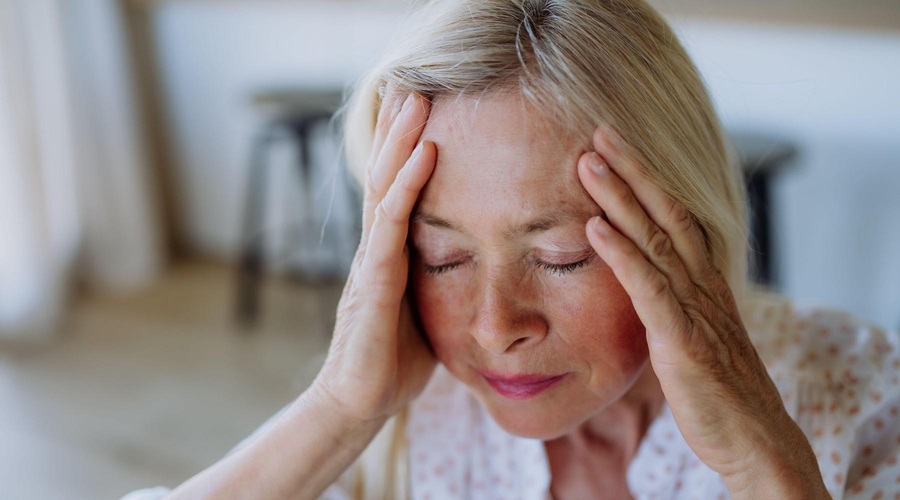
x=293, y=114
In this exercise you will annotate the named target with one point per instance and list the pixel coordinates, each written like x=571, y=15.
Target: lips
x=521, y=386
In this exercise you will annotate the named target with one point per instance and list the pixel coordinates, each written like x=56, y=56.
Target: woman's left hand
x=726, y=406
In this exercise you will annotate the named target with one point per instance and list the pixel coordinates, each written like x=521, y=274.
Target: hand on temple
x=726, y=406
x=379, y=360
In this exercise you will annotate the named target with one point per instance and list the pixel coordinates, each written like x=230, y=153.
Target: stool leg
x=762, y=249
x=308, y=235
x=251, y=262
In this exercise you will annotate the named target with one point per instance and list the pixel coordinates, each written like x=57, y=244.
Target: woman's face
x=514, y=300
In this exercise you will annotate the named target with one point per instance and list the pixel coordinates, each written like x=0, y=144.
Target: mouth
x=521, y=386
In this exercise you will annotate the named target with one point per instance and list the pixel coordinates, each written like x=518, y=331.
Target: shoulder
x=838, y=378
x=810, y=341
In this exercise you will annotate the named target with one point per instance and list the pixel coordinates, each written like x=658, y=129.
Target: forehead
x=499, y=152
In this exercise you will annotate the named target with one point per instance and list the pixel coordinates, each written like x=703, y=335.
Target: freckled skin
x=498, y=310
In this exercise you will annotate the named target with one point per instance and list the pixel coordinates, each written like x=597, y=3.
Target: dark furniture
x=762, y=157
x=291, y=115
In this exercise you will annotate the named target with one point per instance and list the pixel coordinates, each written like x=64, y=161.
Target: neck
x=622, y=425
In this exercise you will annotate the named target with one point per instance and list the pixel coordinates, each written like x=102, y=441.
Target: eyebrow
x=539, y=224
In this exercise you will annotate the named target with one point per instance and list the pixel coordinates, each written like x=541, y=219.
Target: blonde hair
x=582, y=62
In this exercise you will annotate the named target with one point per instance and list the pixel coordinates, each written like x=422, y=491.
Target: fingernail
x=597, y=165
x=599, y=226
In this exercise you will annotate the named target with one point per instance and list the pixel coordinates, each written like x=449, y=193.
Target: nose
x=504, y=322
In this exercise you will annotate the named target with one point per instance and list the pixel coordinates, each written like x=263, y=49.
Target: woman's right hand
x=379, y=360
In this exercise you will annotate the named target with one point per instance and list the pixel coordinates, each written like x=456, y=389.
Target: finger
x=385, y=259
x=652, y=297
x=626, y=214
x=687, y=239
x=387, y=113
x=399, y=143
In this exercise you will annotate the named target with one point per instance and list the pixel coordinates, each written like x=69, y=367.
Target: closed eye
x=563, y=269
x=554, y=269
x=440, y=269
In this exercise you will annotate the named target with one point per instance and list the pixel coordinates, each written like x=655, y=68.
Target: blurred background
x=176, y=222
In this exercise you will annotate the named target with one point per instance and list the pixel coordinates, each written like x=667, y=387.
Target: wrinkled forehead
x=500, y=147
x=501, y=138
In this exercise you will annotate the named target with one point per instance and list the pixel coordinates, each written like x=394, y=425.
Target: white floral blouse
x=839, y=379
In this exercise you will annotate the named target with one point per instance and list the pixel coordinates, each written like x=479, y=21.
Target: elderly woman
x=550, y=295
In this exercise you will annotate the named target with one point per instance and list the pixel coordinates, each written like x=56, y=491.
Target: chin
x=544, y=422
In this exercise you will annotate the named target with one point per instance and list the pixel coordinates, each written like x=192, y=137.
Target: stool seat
x=293, y=102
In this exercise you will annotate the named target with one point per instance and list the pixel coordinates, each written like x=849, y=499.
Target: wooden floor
x=149, y=389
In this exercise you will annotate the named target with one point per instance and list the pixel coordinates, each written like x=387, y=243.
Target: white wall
x=833, y=92
x=214, y=56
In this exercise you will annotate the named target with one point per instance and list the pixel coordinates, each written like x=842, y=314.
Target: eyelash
x=554, y=269
x=563, y=269
x=441, y=269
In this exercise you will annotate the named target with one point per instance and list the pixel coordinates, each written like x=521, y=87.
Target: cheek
x=626, y=340
x=440, y=310
x=601, y=324
x=594, y=314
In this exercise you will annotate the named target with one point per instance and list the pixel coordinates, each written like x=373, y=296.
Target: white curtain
x=77, y=203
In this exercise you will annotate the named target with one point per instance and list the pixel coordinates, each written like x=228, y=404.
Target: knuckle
x=384, y=212
x=624, y=196
x=658, y=242
x=656, y=284
x=680, y=216
x=388, y=211
x=694, y=296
